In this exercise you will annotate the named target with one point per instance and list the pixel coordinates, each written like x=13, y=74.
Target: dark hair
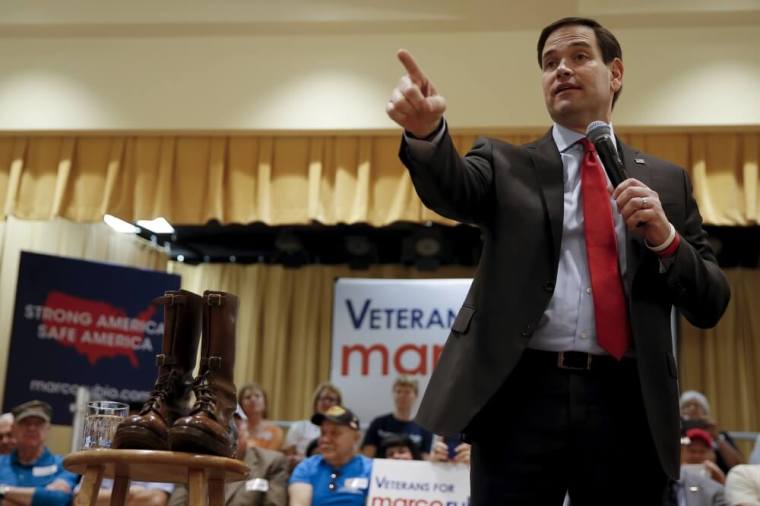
x=607, y=42
x=393, y=440
x=312, y=447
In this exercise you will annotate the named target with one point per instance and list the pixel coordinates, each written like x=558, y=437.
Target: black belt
x=574, y=360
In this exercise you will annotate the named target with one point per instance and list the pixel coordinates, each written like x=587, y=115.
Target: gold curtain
x=724, y=362
x=284, y=322
x=290, y=179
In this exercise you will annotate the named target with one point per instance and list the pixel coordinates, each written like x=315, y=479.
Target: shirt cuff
x=422, y=150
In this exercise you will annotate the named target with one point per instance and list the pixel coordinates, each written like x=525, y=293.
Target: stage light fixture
x=119, y=225
x=157, y=226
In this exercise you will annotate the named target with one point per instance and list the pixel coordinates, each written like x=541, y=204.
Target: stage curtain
x=289, y=179
x=724, y=362
x=284, y=323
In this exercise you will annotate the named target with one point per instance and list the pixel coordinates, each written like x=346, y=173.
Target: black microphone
x=600, y=134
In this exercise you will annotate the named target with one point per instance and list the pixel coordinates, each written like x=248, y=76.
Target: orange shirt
x=267, y=435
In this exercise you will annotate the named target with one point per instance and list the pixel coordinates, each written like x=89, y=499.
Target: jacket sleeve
x=456, y=187
x=699, y=288
x=277, y=475
x=45, y=497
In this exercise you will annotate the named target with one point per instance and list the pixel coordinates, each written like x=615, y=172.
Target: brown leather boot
x=210, y=427
x=149, y=430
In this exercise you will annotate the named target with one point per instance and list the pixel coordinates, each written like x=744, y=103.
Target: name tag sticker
x=356, y=483
x=44, y=470
x=257, y=485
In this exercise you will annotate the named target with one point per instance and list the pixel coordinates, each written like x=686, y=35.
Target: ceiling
x=251, y=17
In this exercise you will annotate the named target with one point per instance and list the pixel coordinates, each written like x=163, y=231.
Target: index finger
x=409, y=63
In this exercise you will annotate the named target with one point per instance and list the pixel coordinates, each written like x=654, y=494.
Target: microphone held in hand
x=600, y=134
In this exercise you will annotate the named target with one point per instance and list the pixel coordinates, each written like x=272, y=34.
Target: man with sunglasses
x=339, y=475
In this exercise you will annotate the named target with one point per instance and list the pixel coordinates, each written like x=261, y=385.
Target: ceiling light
x=119, y=225
x=157, y=226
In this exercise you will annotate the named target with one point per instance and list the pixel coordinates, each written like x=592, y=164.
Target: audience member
x=262, y=432
x=31, y=474
x=743, y=485
x=7, y=443
x=695, y=489
x=399, y=422
x=698, y=454
x=303, y=432
x=398, y=447
x=754, y=457
x=695, y=411
x=267, y=480
x=339, y=476
x=450, y=450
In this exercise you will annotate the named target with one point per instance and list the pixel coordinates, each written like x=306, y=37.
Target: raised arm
x=415, y=104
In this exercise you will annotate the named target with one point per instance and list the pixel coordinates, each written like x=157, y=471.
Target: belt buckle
x=561, y=363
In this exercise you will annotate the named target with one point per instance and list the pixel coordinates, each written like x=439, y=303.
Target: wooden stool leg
x=120, y=490
x=215, y=492
x=88, y=492
x=196, y=488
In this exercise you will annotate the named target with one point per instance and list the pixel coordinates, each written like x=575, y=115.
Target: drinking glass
x=101, y=421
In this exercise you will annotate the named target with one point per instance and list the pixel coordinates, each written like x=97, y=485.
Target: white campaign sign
x=418, y=483
x=384, y=328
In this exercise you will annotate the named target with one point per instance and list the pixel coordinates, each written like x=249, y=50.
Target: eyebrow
x=579, y=43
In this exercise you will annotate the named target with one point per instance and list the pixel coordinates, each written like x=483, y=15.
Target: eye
x=581, y=56
x=550, y=64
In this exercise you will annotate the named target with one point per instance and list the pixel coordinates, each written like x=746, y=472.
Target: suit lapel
x=547, y=164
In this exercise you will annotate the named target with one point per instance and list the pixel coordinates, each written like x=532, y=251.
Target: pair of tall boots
x=166, y=420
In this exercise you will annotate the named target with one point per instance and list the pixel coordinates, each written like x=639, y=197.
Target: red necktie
x=613, y=332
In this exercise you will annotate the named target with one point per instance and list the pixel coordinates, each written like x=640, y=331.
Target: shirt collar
x=565, y=138
x=42, y=458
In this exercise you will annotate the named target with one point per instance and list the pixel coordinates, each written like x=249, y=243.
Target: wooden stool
x=195, y=470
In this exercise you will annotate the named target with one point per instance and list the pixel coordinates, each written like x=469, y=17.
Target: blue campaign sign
x=80, y=323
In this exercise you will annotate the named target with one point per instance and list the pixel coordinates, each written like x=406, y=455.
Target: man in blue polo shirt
x=30, y=475
x=340, y=475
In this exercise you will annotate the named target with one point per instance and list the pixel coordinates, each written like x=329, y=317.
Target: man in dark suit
x=563, y=343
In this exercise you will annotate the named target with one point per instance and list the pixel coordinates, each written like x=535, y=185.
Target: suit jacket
x=266, y=466
x=515, y=195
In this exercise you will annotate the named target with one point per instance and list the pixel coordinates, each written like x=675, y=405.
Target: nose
x=563, y=69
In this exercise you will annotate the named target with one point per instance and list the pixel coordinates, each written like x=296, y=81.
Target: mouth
x=565, y=87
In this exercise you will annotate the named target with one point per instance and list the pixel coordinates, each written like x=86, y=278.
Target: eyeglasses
x=333, y=485
x=328, y=398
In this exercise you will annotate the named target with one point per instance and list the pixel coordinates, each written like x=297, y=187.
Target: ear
x=616, y=74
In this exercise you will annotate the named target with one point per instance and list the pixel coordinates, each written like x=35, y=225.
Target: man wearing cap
x=698, y=449
x=7, y=442
x=339, y=475
x=31, y=474
x=695, y=411
x=267, y=479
